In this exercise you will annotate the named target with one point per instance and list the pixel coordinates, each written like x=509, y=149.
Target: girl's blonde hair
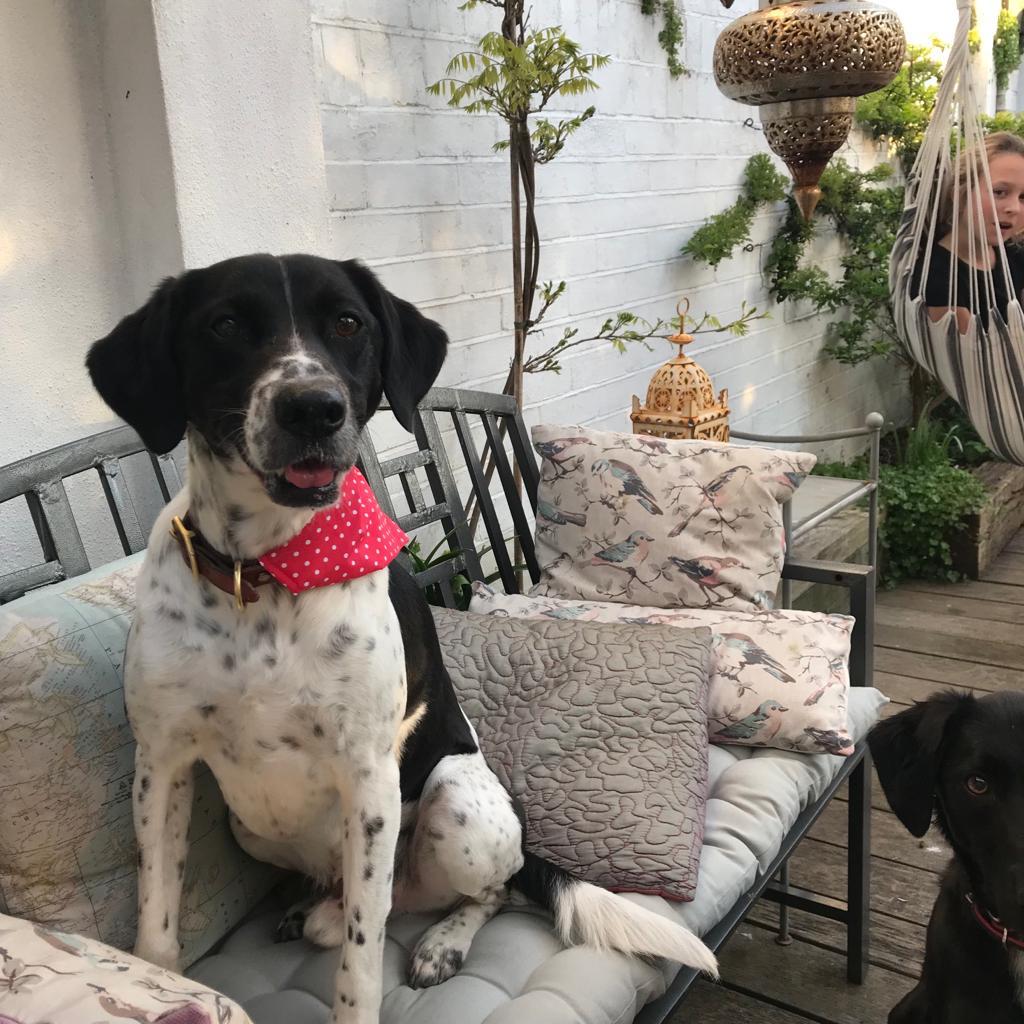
x=996, y=144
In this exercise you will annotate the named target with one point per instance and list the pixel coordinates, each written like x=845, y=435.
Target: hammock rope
x=982, y=368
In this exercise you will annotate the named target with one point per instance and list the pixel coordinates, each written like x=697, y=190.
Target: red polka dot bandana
x=349, y=540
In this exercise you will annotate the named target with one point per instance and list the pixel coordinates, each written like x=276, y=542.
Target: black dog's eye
x=225, y=327
x=977, y=785
x=345, y=326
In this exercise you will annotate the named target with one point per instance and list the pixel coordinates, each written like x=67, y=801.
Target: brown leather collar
x=238, y=578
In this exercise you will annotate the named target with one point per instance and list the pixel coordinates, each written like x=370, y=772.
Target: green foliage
x=1003, y=121
x=715, y=240
x=900, y=111
x=461, y=585
x=967, y=447
x=925, y=507
x=866, y=214
x=671, y=35
x=924, y=499
x=518, y=81
x=973, y=35
x=1005, y=48
x=626, y=328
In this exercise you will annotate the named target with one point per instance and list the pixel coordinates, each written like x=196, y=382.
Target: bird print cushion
x=778, y=678
x=668, y=524
x=63, y=978
x=602, y=738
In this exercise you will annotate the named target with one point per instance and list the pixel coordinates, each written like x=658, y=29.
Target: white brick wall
x=416, y=190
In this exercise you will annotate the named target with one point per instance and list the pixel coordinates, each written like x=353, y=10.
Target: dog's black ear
x=907, y=750
x=134, y=371
x=414, y=346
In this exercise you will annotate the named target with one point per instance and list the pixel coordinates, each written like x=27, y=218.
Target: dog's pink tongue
x=309, y=474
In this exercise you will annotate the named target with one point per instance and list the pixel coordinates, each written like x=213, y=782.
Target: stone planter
x=987, y=532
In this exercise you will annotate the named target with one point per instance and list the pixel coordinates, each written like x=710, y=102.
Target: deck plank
x=806, y=979
x=974, y=590
x=1007, y=568
x=952, y=605
x=715, y=1004
x=889, y=839
x=896, y=945
x=947, y=670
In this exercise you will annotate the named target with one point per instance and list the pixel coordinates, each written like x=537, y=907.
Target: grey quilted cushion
x=601, y=732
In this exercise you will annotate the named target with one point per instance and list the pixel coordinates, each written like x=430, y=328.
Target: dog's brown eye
x=225, y=326
x=977, y=785
x=346, y=326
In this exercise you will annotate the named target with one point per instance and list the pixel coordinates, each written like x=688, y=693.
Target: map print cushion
x=67, y=760
x=668, y=524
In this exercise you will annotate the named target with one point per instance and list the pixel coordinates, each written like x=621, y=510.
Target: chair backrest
x=40, y=481
x=493, y=441
x=486, y=428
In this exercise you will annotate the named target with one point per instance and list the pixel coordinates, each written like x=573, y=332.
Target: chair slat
x=442, y=484
x=412, y=490
x=526, y=459
x=426, y=516
x=122, y=508
x=441, y=571
x=507, y=476
x=14, y=584
x=406, y=463
x=370, y=467
x=167, y=476
x=63, y=531
x=490, y=515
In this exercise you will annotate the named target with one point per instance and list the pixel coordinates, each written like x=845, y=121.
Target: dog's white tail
x=588, y=915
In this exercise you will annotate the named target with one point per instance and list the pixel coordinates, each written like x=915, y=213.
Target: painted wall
x=158, y=136
x=416, y=190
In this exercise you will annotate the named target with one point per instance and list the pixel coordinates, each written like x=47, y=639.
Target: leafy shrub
x=924, y=500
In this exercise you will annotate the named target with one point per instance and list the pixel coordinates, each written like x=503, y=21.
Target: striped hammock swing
x=978, y=359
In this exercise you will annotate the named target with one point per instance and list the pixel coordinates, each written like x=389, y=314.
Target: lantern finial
x=680, y=399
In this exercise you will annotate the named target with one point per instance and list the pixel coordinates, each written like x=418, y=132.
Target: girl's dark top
x=937, y=287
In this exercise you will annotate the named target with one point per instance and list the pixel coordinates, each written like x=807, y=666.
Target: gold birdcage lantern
x=804, y=63
x=680, y=399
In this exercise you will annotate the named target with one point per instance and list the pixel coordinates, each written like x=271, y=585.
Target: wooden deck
x=928, y=636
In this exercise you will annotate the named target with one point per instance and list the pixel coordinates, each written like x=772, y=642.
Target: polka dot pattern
x=349, y=540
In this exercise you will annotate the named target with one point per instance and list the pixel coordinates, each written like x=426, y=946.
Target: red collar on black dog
x=349, y=540
x=994, y=926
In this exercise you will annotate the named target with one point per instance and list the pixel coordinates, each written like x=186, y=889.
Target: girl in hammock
x=974, y=249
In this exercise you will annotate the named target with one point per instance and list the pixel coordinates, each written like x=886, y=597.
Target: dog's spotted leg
x=162, y=806
x=466, y=846
x=443, y=947
x=371, y=808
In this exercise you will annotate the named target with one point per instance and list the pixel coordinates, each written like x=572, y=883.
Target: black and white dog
x=962, y=759
x=327, y=716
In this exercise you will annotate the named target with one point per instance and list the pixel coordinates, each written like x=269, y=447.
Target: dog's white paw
x=436, y=958
x=325, y=924
x=161, y=952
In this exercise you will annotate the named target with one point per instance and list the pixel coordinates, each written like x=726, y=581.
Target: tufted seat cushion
x=517, y=971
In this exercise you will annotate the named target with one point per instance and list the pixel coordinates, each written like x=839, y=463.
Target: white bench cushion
x=517, y=971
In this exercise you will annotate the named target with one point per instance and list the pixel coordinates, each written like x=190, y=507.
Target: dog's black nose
x=312, y=412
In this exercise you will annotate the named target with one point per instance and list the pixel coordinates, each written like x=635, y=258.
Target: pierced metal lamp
x=680, y=399
x=804, y=63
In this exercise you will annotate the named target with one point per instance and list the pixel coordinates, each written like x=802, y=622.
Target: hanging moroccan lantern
x=804, y=63
x=680, y=399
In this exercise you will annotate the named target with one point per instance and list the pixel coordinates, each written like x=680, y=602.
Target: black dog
x=963, y=758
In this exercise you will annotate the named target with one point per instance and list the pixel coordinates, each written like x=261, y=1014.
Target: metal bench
x=481, y=426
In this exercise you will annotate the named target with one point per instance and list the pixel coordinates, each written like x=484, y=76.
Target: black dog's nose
x=311, y=412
